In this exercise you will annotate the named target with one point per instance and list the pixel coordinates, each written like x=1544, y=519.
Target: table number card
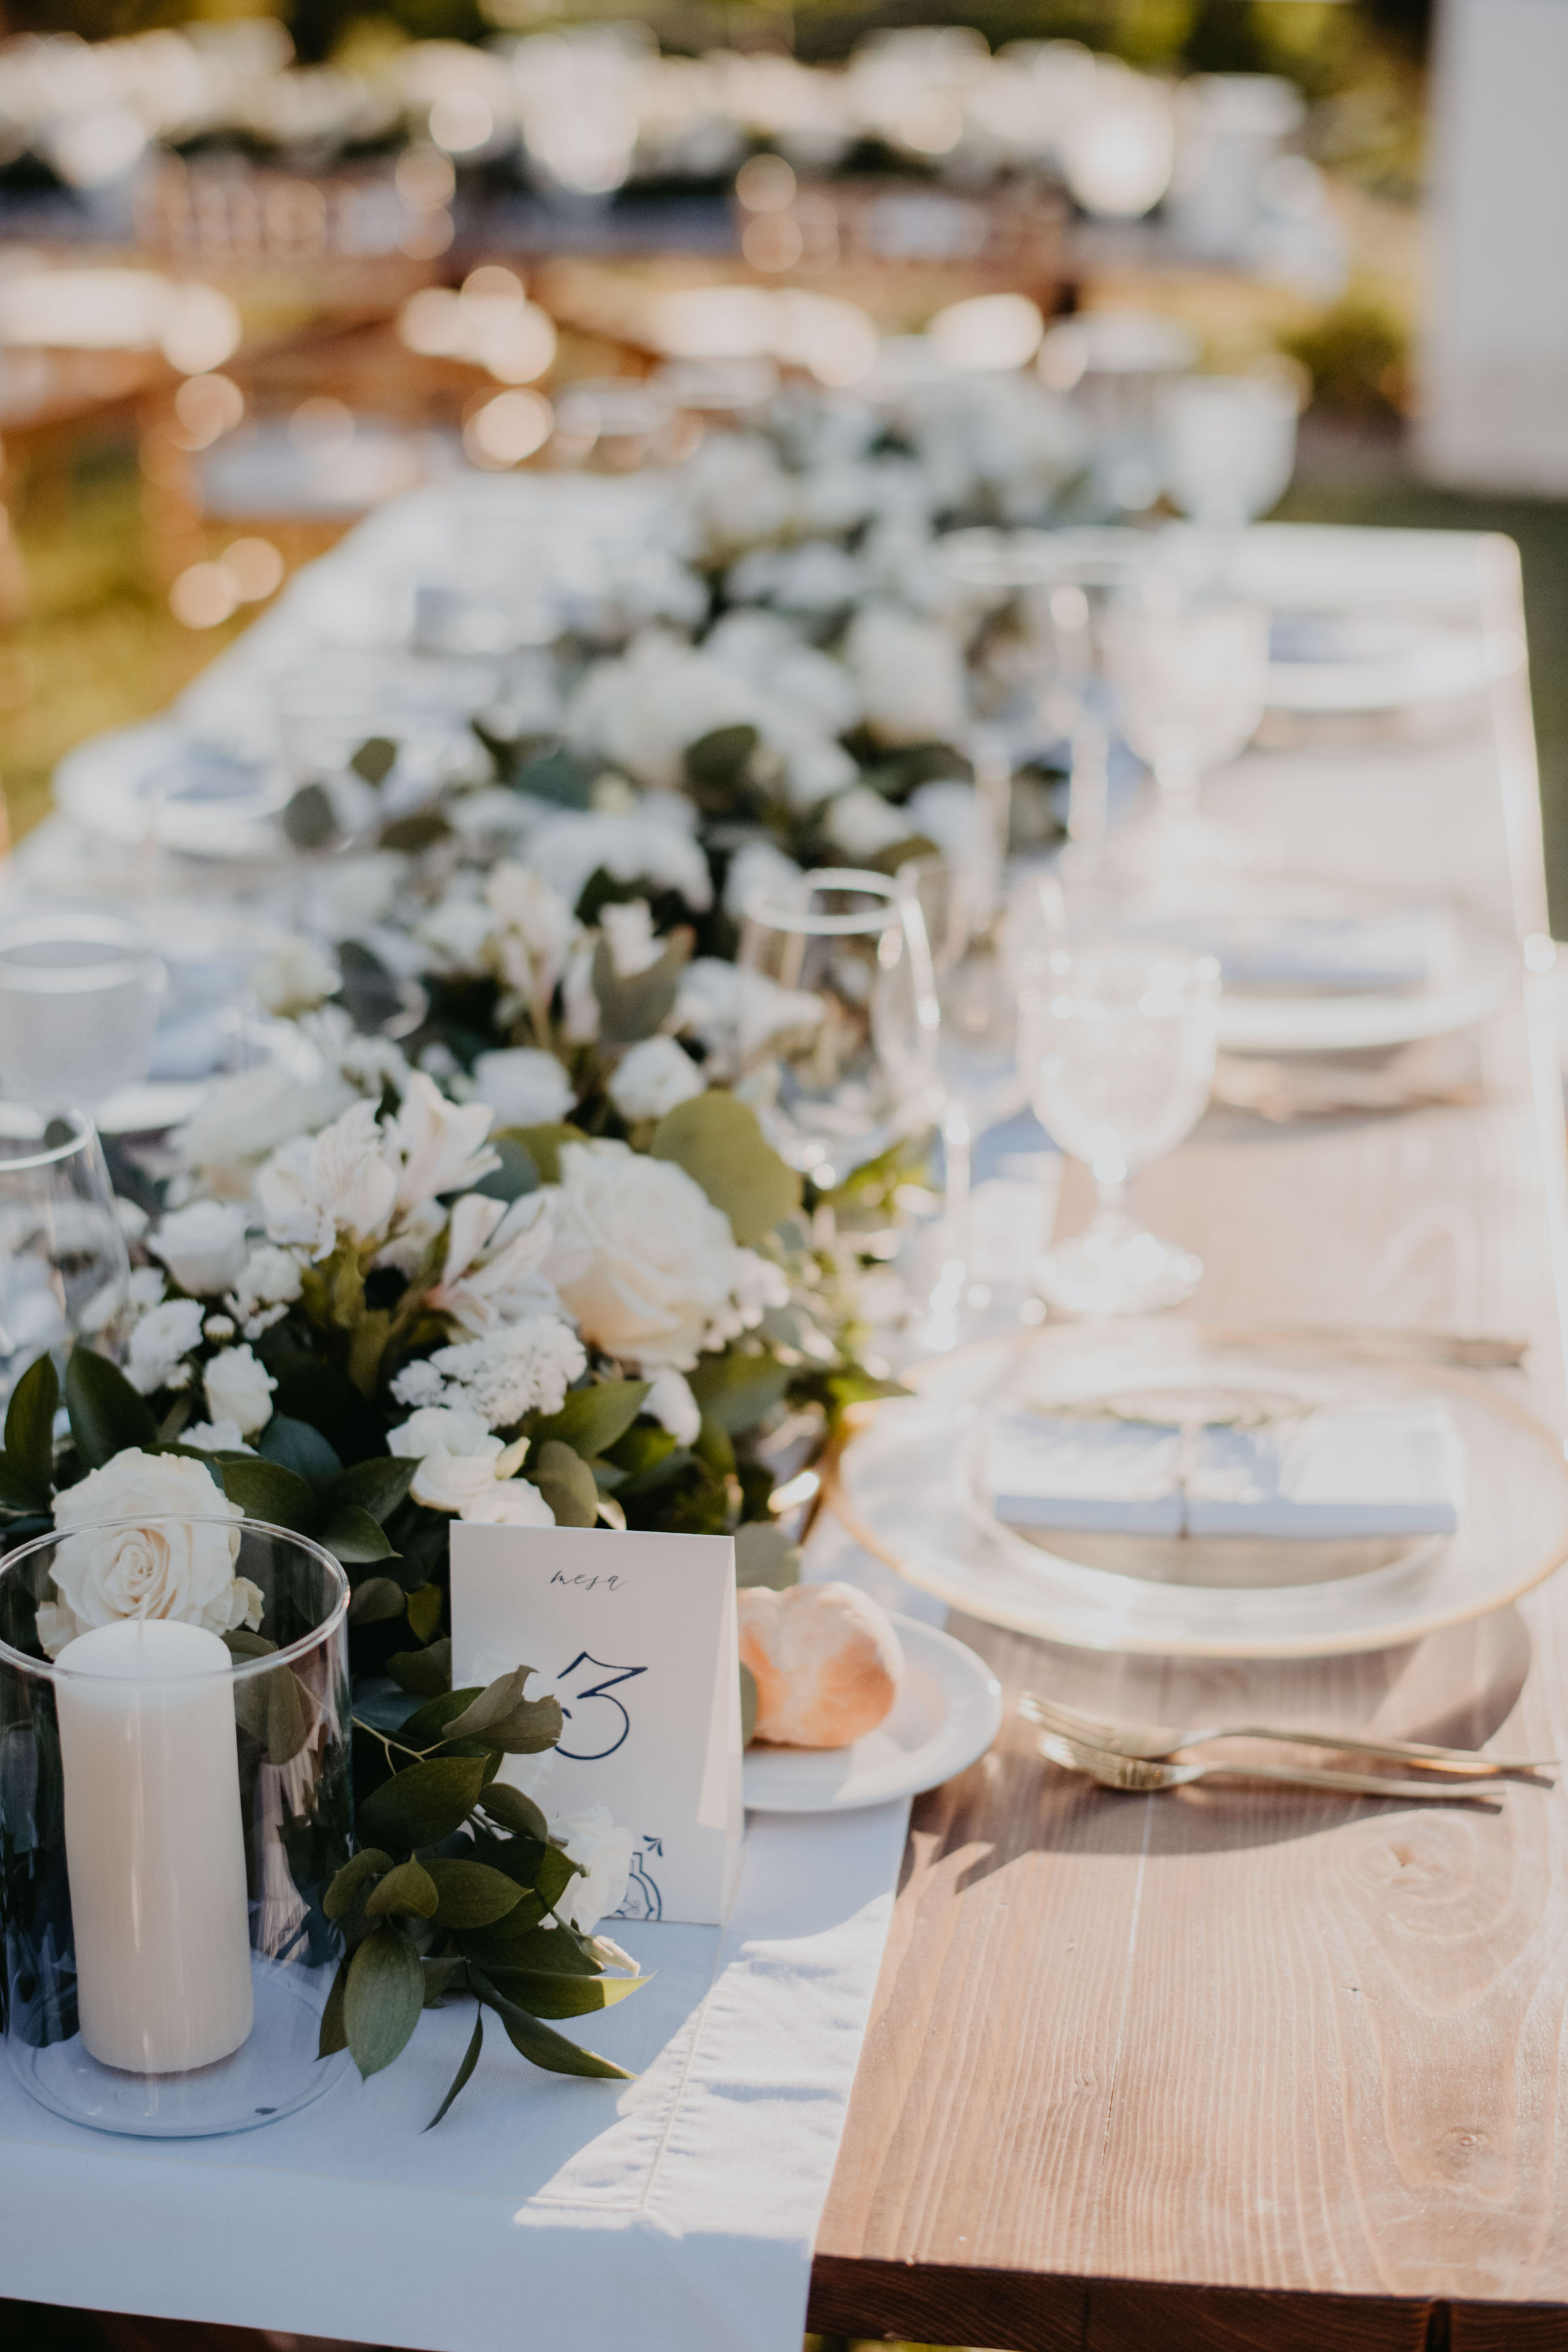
x=636, y=1632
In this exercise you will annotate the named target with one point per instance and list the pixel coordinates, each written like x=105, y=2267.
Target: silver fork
x=1138, y=1773
x=1155, y=1742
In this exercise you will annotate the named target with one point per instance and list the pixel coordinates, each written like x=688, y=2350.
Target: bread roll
x=827, y=1662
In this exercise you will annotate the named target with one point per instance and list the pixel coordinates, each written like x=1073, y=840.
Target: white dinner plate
x=948, y=1712
x=1375, y=666
x=906, y=1487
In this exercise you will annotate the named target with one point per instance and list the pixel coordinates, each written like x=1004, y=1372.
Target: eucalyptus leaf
x=309, y=819
x=542, y=1145
x=375, y=759
x=427, y=1727
x=270, y=1708
x=716, y=1139
x=592, y=1419
x=470, y=2060
x=419, y=830
x=372, y=1602
x=736, y=1390
x=30, y=1428
x=765, y=1555
x=503, y=1717
x=424, y=1804
x=409, y=1887
x=339, y=1899
x=748, y=1705
x=566, y=1483
x=517, y=1175
x=376, y=1486
x=511, y=1809
x=382, y=1998
x=633, y=1006
x=241, y=1643
x=470, y=1894
x=424, y=1674
x=356, y=1537
x=107, y=1416
x=424, y=1609
x=296, y=1446
x=266, y=1490
x=537, y=2043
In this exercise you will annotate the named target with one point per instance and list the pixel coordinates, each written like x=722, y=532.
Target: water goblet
x=1192, y=671
x=1117, y=1053
x=837, y=1050
x=80, y=996
x=1229, y=447
x=64, y=1269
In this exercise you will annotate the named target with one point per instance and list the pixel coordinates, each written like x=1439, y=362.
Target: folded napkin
x=1314, y=1476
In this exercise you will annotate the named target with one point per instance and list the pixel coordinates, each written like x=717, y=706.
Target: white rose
x=510, y=1503
x=336, y=1182
x=440, y=1145
x=215, y=1437
x=603, y=1850
x=642, y=1258
x=456, y=1453
x=294, y=978
x=673, y=1406
x=239, y=1389
x=652, y=1077
x=204, y=1245
x=909, y=674
x=161, y=1339
x=455, y=1431
x=180, y=1564
x=523, y=1087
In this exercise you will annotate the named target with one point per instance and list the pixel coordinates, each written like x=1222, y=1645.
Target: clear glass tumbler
x=64, y=1269
x=173, y=1806
x=80, y=995
x=1117, y=1053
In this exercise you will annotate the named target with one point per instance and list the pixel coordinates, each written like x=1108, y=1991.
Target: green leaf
x=425, y=1611
x=562, y=776
x=502, y=1717
x=566, y=1483
x=517, y=1175
x=269, y=1708
x=265, y=1490
x=424, y=1674
x=107, y=1416
x=511, y=1809
x=764, y=1555
x=539, y=2044
x=441, y=1975
x=241, y=1643
x=307, y=820
x=470, y=2060
x=296, y=1446
x=716, y=766
x=375, y=759
x=16, y=1494
x=382, y=1998
x=715, y=1447
x=333, y=2035
x=736, y=1388
x=554, y=1875
x=424, y=1804
x=412, y=833
x=356, y=1537
x=748, y=1705
x=542, y=1145
x=30, y=1428
x=633, y=1007
x=375, y=1600
x=592, y=1418
x=339, y=1899
x=426, y=1727
x=376, y=1486
x=472, y=1895
x=409, y=1887
x=553, y=1951
x=716, y=1139
x=562, y=1996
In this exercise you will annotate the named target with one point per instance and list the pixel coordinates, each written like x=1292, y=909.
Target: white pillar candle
x=154, y=1846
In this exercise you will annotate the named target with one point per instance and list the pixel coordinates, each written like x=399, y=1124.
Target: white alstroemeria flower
x=909, y=674
x=242, y=1119
x=643, y=1260
x=496, y=1262
x=603, y=1850
x=509, y=1503
x=215, y=1437
x=436, y=1146
x=295, y=978
x=457, y=931
x=532, y=926
x=178, y=1565
x=239, y=1390
x=652, y=1076
x=672, y=1405
x=635, y=946
x=335, y=1182
x=202, y=1245
x=579, y=1001
x=523, y=1085
x=161, y=1342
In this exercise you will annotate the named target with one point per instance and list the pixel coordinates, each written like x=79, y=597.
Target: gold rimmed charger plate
x=908, y=1485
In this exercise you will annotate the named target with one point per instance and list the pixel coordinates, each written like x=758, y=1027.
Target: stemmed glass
x=1229, y=447
x=64, y=1269
x=1117, y=1053
x=838, y=1051
x=80, y=996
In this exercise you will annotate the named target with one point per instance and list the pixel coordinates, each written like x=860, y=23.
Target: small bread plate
x=948, y=1712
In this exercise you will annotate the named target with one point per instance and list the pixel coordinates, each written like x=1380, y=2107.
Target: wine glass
x=80, y=996
x=1190, y=665
x=64, y=1269
x=1117, y=1053
x=838, y=1050
x=1229, y=447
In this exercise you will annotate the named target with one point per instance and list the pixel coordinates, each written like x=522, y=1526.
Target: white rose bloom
x=182, y=1568
x=456, y=1453
x=862, y=824
x=523, y=1087
x=159, y=1341
x=510, y=1503
x=642, y=1258
x=215, y=1437
x=909, y=674
x=440, y=1145
x=239, y=1390
x=203, y=1246
x=673, y=1406
x=604, y=1852
x=497, y=1266
x=295, y=978
x=652, y=1076
x=335, y=1182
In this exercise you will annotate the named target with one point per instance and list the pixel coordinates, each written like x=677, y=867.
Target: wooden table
x=1240, y=2067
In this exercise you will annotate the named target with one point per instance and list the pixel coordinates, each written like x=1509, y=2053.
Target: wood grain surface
x=1235, y=2066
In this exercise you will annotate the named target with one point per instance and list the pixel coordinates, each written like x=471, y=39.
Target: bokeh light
x=503, y=431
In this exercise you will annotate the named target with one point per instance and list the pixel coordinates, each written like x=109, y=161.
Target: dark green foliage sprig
x=454, y=1891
